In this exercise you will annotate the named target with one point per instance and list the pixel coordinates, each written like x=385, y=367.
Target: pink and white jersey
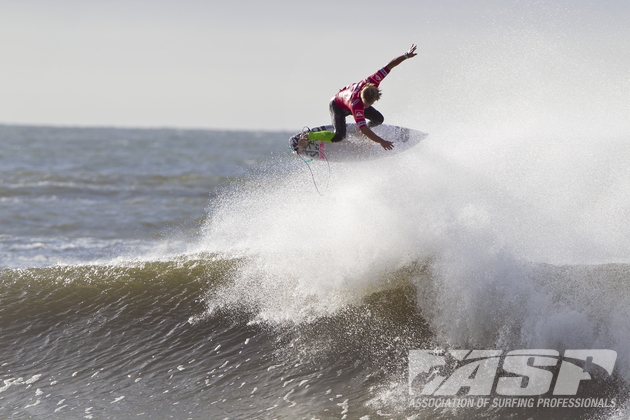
x=349, y=97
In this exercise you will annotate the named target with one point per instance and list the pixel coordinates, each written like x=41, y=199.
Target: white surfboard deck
x=357, y=147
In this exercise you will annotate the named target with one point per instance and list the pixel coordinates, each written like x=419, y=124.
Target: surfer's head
x=370, y=94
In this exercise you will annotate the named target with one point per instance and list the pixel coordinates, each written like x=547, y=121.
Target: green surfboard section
x=325, y=136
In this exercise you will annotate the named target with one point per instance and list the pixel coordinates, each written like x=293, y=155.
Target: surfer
x=357, y=100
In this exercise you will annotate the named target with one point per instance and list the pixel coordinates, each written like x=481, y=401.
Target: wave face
x=203, y=336
x=135, y=338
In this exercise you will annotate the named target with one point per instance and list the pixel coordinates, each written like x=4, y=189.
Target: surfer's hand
x=411, y=52
x=396, y=61
x=387, y=145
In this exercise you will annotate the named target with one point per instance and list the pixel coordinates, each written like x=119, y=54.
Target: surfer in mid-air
x=357, y=100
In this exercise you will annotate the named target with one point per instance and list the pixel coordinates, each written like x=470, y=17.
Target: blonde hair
x=370, y=93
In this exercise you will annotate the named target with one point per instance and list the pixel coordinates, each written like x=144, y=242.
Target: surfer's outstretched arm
x=396, y=61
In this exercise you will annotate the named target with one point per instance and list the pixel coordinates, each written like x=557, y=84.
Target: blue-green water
x=73, y=194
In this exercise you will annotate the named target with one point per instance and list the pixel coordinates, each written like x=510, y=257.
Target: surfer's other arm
x=396, y=61
x=367, y=132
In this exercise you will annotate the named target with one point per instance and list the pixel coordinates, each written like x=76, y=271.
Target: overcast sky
x=275, y=64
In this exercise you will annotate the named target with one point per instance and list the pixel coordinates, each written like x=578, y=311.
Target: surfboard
x=358, y=147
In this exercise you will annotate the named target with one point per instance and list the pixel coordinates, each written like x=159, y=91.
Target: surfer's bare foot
x=302, y=142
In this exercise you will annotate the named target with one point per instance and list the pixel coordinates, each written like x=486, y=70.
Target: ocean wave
x=208, y=322
x=145, y=325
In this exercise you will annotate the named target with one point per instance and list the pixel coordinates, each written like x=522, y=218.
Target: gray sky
x=275, y=64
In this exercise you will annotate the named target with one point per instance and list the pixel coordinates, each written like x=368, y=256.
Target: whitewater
x=199, y=274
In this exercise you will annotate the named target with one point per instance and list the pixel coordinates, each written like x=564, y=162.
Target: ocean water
x=199, y=274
